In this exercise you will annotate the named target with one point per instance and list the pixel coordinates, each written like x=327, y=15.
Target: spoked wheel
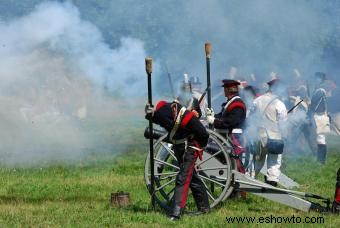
x=214, y=171
x=217, y=166
x=165, y=169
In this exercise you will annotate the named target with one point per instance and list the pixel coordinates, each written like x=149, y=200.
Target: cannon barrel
x=156, y=134
x=212, y=148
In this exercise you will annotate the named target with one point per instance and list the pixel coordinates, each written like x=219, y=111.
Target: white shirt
x=271, y=112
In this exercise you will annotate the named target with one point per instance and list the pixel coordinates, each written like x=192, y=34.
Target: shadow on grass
x=143, y=209
x=138, y=207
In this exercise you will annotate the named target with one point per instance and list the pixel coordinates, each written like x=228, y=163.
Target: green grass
x=78, y=195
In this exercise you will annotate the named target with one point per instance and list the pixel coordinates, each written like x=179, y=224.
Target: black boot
x=321, y=153
x=175, y=214
x=336, y=203
x=336, y=208
x=272, y=183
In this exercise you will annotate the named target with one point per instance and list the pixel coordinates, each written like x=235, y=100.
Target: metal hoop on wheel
x=215, y=171
x=230, y=161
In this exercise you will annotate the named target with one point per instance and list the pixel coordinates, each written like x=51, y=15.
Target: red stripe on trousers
x=187, y=182
x=238, y=151
x=337, y=195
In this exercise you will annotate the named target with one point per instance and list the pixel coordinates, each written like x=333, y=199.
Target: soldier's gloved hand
x=210, y=112
x=148, y=111
x=196, y=113
x=210, y=119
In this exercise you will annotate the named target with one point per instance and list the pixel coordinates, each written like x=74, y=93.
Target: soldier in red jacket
x=230, y=120
x=188, y=136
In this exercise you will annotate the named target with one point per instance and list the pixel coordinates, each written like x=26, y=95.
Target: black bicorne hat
x=273, y=81
x=251, y=89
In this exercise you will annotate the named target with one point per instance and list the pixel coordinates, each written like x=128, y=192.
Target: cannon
x=218, y=171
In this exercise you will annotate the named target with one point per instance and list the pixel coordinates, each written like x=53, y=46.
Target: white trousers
x=273, y=165
x=321, y=139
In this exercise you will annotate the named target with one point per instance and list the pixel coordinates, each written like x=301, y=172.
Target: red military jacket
x=232, y=115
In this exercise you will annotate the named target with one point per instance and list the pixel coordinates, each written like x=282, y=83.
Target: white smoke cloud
x=258, y=36
x=57, y=28
x=55, y=70
x=55, y=64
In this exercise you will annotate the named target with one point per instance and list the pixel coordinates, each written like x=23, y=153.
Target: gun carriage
x=218, y=171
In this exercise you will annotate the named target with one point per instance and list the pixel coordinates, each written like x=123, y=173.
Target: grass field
x=78, y=194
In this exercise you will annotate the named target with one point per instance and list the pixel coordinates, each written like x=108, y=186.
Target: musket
x=290, y=110
x=308, y=90
x=203, y=95
x=337, y=130
x=190, y=107
x=170, y=81
x=332, y=124
x=148, y=68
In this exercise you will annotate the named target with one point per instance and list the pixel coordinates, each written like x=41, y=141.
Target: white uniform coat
x=272, y=112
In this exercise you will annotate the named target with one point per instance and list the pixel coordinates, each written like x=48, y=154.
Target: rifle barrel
x=203, y=95
x=290, y=110
x=170, y=82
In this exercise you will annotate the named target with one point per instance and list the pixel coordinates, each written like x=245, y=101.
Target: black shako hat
x=230, y=83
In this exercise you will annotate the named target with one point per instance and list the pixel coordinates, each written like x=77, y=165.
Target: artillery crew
x=264, y=136
x=188, y=136
x=271, y=111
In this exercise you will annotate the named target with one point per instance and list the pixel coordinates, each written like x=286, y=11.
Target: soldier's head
x=301, y=91
x=230, y=87
x=273, y=83
x=322, y=81
x=320, y=77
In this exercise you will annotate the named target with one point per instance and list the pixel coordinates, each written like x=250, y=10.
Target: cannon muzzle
x=156, y=134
